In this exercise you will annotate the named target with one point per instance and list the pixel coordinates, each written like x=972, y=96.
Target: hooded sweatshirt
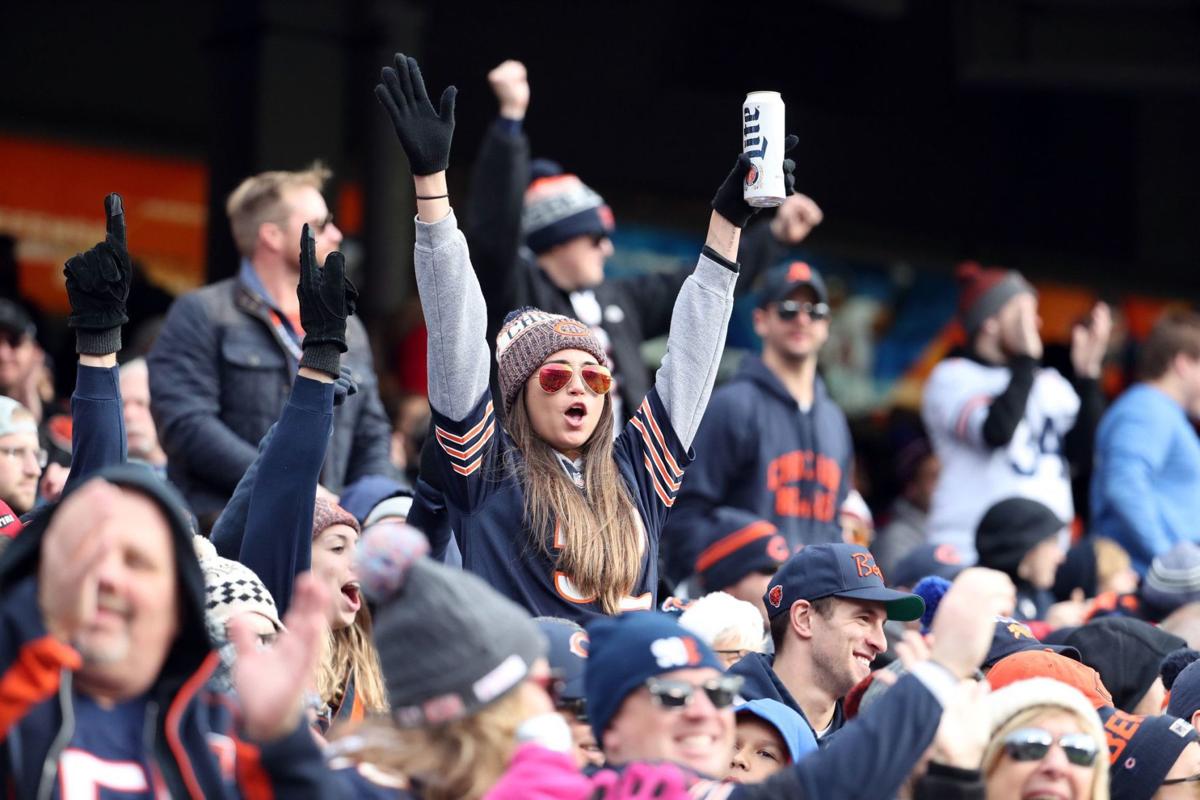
x=761, y=683
x=757, y=450
x=53, y=737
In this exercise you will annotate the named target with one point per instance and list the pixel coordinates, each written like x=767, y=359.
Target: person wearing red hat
x=1001, y=424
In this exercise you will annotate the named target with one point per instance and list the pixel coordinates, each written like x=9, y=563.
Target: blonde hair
x=721, y=619
x=460, y=760
x=1111, y=559
x=1030, y=716
x=259, y=199
x=600, y=527
x=350, y=651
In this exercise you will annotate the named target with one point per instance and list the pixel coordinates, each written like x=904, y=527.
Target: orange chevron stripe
x=653, y=451
x=675, y=469
x=469, y=435
x=666, y=499
x=463, y=455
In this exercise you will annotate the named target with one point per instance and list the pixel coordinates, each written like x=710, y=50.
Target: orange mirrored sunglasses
x=553, y=377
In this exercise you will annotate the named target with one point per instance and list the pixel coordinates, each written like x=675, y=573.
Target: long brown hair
x=599, y=527
x=460, y=760
x=351, y=651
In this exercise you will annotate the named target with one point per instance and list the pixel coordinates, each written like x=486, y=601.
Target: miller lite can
x=762, y=140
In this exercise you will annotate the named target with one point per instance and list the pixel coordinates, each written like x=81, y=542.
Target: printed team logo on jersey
x=865, y=564
x=805, y=485
x=775, y=596
x=675, y=652
x=777, y=548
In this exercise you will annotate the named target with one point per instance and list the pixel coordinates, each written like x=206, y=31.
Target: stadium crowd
x=603, y=581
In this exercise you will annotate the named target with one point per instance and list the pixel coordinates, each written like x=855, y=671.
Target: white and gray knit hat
x=1173, y=579
x=231, y=588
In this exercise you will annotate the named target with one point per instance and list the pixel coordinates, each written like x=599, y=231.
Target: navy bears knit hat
x=559, y=208
x=736, y=544
x=837, y=570
x=1142, y=750
x=628, y=649
x=567, y=653
x=1185, y=692
x=782, y=281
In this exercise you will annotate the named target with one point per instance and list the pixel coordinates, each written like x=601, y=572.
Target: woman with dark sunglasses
x=553, y=510
x=1046, y=741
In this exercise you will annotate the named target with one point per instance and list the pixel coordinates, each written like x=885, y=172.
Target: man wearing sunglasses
x=656, y=693
x=222, y=367
x=772, y=441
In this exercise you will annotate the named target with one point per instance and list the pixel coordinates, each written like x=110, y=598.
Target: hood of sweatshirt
x=193, y=645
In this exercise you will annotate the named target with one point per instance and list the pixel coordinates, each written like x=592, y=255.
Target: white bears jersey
x=974, y=476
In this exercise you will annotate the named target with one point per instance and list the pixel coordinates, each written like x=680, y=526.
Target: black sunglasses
x=576, y=707
x=788, y=310
x=669, y=693
x=1189, y=779
x=1032, y=744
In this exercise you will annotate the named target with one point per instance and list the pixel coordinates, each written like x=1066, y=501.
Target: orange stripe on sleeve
x=469, y=435
x=673, y=485
x=675, y=469
x=33, y=678
x=463, y=455
x=252, y=777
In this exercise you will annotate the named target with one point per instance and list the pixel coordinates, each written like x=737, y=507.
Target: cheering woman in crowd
x=554, y=512
x=274, y=530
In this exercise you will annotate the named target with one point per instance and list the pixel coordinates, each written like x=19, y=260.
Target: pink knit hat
x=326, y=513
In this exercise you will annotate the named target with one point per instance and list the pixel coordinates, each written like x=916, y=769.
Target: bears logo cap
x=837, y=570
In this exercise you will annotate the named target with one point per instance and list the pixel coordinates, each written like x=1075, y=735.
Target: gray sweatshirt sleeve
x=456, y=316
x=695, y=342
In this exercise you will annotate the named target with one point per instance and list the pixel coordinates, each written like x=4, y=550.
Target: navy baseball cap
x=567, y=653
x=837, y=570
x=942, y=560
x=782, y=281
x=1012, y=636
x=736, y=544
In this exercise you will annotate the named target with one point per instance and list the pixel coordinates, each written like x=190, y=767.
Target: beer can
x=762, y=140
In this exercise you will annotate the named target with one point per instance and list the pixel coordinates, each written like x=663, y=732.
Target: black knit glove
x=327, y=298
x=424, y=134
x=728, y=201
x=98, y=286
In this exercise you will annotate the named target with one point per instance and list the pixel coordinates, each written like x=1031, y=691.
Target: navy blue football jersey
x=486, y=499
x=106, y=757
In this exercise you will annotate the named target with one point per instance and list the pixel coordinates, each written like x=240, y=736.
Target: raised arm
x=98, y=287
x=277, y=541
x=455, y=312
x=701, y=316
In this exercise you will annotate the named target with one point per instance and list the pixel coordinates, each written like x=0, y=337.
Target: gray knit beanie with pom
x=449, y=644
